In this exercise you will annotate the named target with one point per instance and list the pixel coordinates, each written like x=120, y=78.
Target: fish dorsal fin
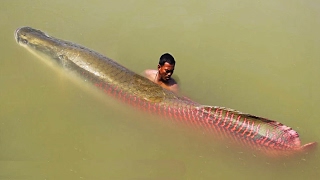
x=213, y=108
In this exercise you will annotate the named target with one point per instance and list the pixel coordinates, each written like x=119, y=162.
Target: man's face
x=165, y=71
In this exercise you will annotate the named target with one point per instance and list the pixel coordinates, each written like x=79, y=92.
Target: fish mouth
x=16, y=34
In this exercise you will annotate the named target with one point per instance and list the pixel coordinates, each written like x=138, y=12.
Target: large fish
x=266, y=136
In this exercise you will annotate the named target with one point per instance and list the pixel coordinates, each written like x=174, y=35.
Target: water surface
x=258, y=57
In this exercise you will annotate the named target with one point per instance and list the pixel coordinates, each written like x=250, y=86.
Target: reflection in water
x=258, y=57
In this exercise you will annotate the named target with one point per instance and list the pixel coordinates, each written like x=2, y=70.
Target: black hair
x=166, y=57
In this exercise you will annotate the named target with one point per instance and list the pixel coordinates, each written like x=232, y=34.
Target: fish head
x=41, y=44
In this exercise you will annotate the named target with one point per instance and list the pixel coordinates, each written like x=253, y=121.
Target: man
x=162, y=76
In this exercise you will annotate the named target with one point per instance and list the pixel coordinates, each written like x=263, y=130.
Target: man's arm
x=174, y=88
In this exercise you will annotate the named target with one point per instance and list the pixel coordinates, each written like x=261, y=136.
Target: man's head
x=166, y=66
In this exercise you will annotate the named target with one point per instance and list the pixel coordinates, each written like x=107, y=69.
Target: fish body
x=266, y=136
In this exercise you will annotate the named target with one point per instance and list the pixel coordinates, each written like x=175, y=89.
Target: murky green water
x=260, y=57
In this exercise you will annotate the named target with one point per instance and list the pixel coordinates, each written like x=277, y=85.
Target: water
x=258, y=57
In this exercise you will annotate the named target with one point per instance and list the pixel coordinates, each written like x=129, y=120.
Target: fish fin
x=309, y=147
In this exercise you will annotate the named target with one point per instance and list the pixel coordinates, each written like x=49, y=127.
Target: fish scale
x=266, y=136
